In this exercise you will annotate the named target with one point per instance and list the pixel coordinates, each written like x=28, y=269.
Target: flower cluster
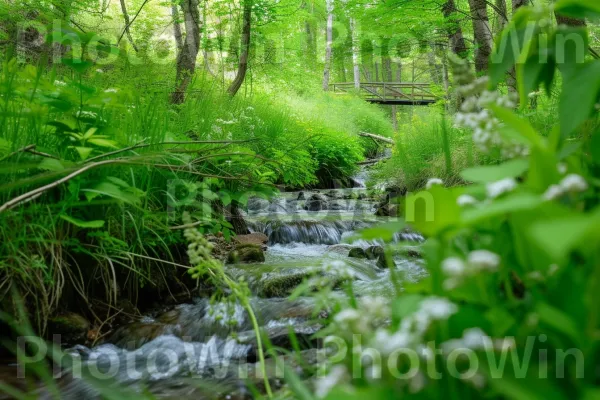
x=434, y=182
x=199, y=251
x=475, y=115
x=456, y=269
x=497, y=189
x=368, y=319
x=572, y=183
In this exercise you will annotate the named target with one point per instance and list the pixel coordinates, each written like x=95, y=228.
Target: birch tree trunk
x=355, y=53
x=455, y=33
x=328, y=49
x=245, y=51
x=127, y=23
x=186, y=61
x=482, y=33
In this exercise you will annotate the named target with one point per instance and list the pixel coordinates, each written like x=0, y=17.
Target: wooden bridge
x=417, y=94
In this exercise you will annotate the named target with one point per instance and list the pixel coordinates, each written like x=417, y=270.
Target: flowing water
x=178, y=353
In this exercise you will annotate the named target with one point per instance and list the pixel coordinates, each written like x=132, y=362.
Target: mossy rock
x=357, y=252
x=73, y=327
x=282, y=286
x=246, y=253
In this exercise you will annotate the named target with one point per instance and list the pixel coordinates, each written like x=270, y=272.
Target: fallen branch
x=377, y=137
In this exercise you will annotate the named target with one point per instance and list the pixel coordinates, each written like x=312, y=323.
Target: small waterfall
x=308, y=232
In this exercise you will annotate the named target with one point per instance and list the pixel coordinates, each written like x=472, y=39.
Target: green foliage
x=513, y=256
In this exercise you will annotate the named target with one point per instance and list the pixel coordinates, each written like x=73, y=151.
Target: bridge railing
x=390, y=91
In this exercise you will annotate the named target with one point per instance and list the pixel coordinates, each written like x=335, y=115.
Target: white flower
x=387, y=343
x=438, y=308
x=553, y=192
x=453, y=266
x=60, y=83
x=483, y=259
x=375, y=307
x=562, y=168
x=347, y=315
x=574, y=183
x=497, y=189
x=434, y=181
x=337, y=375
x=99, y=71
x=466, y=200
x=111, y=90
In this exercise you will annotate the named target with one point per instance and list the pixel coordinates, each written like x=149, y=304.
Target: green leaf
x=578, y=8
x=514, y=203
x=579, y=97
x=103, y=143
x=84, y=152
x=519, y=125
x=90, y=133
x=560, y=321
x=493, y=173
x=83, y=224
x=432, y=211
x=51, y=164
x=560, y=236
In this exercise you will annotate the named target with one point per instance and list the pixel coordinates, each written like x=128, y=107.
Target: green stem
x=261, y=354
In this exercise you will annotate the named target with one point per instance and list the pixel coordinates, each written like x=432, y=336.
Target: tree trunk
x=328, y=49
x=455, y=33
x=501, y=15
x=245, y=51
x=511, y=80
x=311, y=38
x=389, y=77
x=482, y=33
x=186, y=61
x=355, y=53
x=127, y=23
x=236, y=219
x=177, y=28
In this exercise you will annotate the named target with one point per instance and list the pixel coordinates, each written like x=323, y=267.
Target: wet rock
x=301, y=196
x=362, y=196
x=387, y=210
x=278, y=207
x=134, y=336
x=335, y=194
x=374, y=252
x=337, y=206
x=316, y=202
x=412, y=252
x=246, y=253
x=257, y=204
x=259, y=239
x=341, y=249
x=73, y=327
x=357, y=252
x=279, y=336
x=281, y=286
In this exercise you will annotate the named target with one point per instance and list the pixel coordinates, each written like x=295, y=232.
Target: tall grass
x=427, y=146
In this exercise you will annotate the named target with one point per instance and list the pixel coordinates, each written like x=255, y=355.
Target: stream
x=203, y=350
